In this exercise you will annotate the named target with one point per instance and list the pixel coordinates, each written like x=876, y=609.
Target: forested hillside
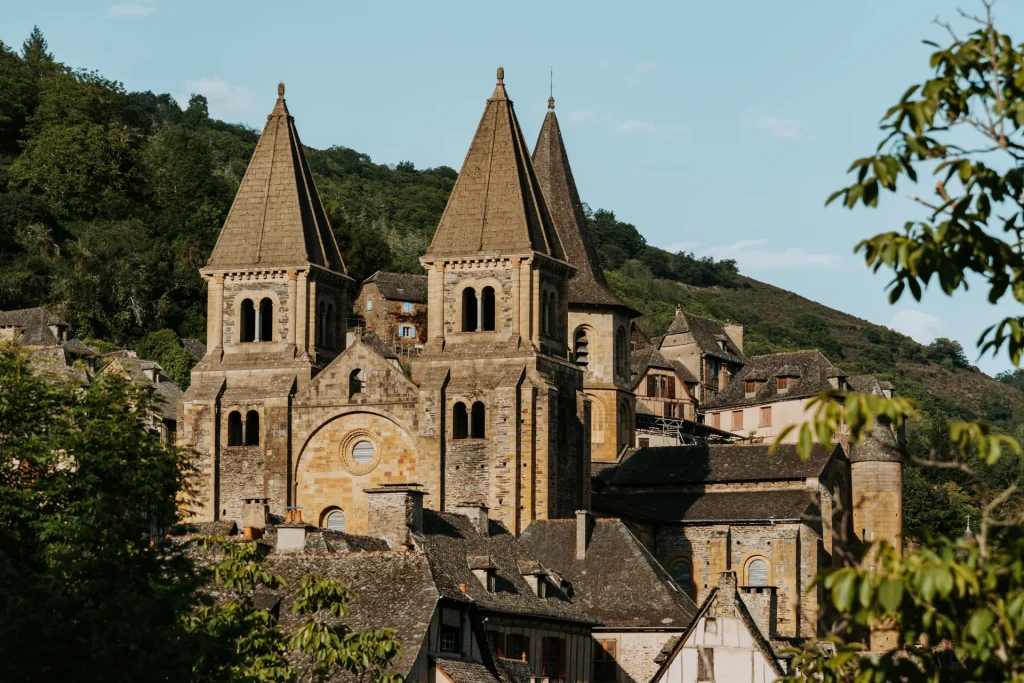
x=110, y=202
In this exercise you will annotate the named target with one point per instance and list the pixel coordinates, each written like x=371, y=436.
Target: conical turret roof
x=496, y=206
x=588, y=285
x=277, y=218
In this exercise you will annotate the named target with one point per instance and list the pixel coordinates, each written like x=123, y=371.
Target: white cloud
x=577, y=117
x=753, y=256
x=778, y=128
x=138, y=8
x=228, y=102
x=632, y=127
x=918, y=325
x=647, y=67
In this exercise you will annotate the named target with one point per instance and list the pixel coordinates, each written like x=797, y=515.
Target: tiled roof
x=707, y=334
x=195, y=348
x=462, y=671
x=879, y=446
x=27, y=317
x=400, y=286
x=496, y=206
x=618, y=582
x=715, y=506
x=514, y=670
x=684, y=372
x=554, y=174
x=808, y=373
x=277, y=218
x=673, y=465
x=449, y=539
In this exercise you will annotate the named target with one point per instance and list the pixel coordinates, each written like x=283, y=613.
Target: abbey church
x=493, y=412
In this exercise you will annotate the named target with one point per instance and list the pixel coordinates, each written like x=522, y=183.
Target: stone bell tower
x=598, y=330
x=276, y=315
x=515, y=418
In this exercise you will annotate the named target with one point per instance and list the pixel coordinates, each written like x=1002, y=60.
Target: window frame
x=765, y=416
x=737, y=419
x=605, y=659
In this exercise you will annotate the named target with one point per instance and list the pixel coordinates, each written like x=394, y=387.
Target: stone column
x=216, y=339
x=479, y=311
x=302, y=312
x=536, y=322
x=293, y=307
x=259, y=322
x=525, y=299
x=314, y=334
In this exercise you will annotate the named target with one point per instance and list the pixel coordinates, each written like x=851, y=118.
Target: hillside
x=110, y=202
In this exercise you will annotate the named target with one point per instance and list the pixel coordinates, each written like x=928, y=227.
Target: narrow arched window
x=544, y=312
x=332, y=329
x=553, y=309
x=356, y=382
x=460, y=421
x=252, y=428
x=757, y=573
x=248, y=331
x=235, y=428
x=488, y=306
x=621, y=353
x=334, y=520
x=267, y=320
x=477, y=427
x=580, y=346
x=682, y=574
x=469, y=312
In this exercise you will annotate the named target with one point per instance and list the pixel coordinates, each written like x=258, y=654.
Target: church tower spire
x=598, y=320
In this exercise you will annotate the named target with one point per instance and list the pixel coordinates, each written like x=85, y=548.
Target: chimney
x=291, y=536
x=725, y=604
x=477, y=513
x=395, y=513
x=735, y=334
x=584, y=530
x=254, y=513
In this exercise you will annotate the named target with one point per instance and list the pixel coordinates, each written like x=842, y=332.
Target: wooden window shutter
x=651, y=386
x=560, y=645
x=671, y=386
x=737, y=419
x=545, y=657
x=766, y=416
x=716, y=420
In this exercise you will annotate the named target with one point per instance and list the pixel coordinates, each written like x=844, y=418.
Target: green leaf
x=890, y=594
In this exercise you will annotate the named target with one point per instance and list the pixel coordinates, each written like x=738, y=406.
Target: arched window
x=266, y=321
x=356, y=382
x=580, y=346
x=553, y=309
x=252, y=428
x=334, y=520
x=460, y=421
x=477, y=427
x=682, y=574
x=544, y=312
x=469, y=316
x=248, y=331
x=235, y=428
x=621, y=353
x=488, y=306
x=332, y=327
x=757, y=572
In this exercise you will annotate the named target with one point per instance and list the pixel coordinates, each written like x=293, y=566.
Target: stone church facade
x=496, y=410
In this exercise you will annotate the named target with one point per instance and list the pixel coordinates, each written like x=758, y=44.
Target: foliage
x=249, y=645
x=165, y=348
x=86, y=494
x=957, y=605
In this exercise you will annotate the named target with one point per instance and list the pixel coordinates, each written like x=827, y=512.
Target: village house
x=394, y=307
x=711, y=351
x=127, y=364
x=52, y=350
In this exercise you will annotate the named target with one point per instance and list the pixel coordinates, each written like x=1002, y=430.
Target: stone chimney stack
x=478, y=515
x=735, y=334
x=395, y=513
x=584, y=530
x=254, y=513
x=725, y=603
x=291, y=536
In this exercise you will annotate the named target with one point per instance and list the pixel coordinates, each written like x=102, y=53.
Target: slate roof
x=808, y=373
x=880, y=445
x=618, y=583
x=717, y=463
x=496, y=206
x=400, y=286
x=707, y=334
x=462, y=671
x=450, y=538
x=554, y=174
x=514, y=670
x=707, y=507
x=277, y=218
x=167, y=392
x=382, y=348
x=195, y=348
x=28, y=317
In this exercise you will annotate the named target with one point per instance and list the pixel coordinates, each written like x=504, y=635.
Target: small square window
x=783, y=383
x=406, y=307
x=369, y=305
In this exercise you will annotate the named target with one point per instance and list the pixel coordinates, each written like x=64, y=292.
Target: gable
x=384, y=380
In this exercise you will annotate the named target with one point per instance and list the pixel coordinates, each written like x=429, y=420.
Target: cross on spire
x=551, y=90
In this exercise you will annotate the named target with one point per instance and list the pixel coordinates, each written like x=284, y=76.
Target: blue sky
x=719, y=128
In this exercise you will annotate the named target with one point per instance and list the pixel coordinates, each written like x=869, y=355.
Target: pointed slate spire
x=551, y=163
x=496, y=206
x=277, y=218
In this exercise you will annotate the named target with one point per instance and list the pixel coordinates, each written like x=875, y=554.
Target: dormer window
x=535, y=576
x=750, y=387
x=485, y=570
x=783, y=385
x=721, y=345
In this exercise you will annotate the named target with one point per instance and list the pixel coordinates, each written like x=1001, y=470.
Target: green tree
x=965, y=125
x=948, y=352
x=165, y=348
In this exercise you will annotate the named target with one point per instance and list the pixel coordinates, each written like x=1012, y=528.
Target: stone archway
x=346, y=455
